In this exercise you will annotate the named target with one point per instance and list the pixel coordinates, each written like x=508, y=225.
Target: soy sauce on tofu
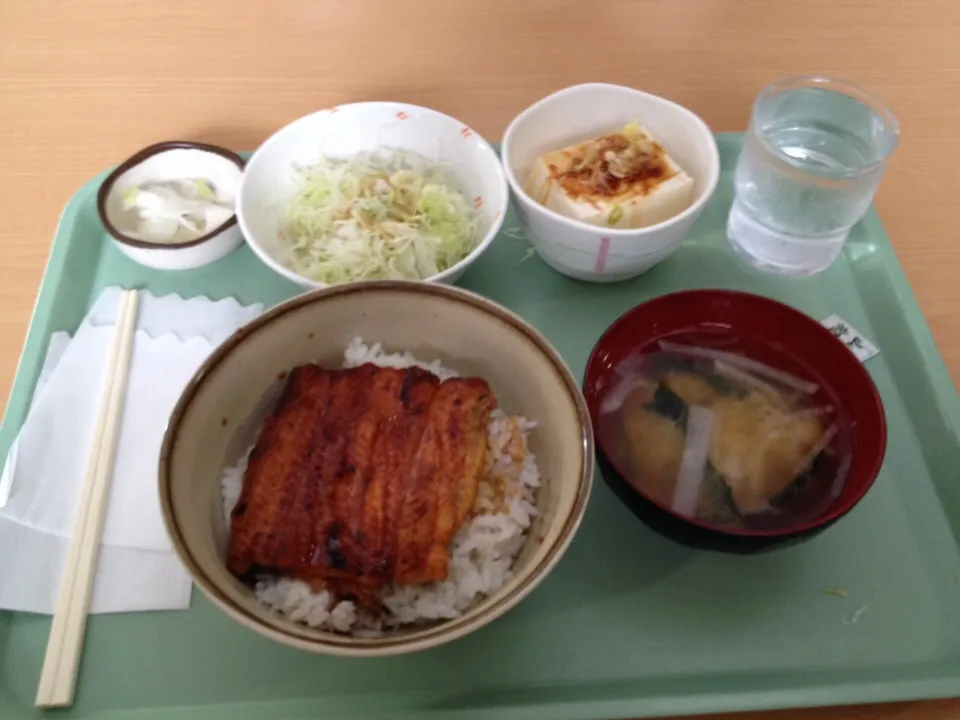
x=745, y=456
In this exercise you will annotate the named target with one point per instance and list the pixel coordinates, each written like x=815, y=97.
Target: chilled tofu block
x=622, y=180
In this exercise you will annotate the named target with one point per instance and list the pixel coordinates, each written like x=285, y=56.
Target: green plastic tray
x=628, y=624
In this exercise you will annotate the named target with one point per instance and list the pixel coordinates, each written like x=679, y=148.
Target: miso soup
x=724, y=440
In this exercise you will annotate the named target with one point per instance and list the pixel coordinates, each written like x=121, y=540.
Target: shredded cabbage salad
x=388, y=214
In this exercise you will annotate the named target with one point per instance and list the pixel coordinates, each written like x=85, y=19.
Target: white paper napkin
x=54, y=443
x=158, y=315
x=137, y=569
x=55, y=349
x=32, y=562
x=187, y=319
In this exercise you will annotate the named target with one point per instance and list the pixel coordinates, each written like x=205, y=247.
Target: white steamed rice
x=481, y=554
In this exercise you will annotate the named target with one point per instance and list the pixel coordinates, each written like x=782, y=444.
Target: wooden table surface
x=82, y=85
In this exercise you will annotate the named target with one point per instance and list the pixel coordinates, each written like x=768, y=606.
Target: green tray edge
x=927, y=682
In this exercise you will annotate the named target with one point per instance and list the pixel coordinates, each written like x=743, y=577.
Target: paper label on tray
x=851, y=337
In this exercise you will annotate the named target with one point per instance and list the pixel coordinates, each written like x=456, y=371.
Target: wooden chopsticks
x=58, y=679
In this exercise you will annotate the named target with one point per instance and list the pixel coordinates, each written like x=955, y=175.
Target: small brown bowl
x=219, y=414
x=173, y=160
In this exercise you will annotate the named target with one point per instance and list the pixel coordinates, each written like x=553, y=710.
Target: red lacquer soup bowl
x=720, y=329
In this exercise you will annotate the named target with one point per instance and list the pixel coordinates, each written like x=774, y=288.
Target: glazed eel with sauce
x=361, y=477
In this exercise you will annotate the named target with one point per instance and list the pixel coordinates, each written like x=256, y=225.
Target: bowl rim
x=106, y=188
x=459, y=267
x=437, y=633
x=874, y=464
x=690, y=212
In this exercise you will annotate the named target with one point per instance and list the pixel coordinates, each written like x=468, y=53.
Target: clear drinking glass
x=811, y=162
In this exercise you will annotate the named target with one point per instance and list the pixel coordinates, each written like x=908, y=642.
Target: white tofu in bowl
x=608, y=180
x=659, y=190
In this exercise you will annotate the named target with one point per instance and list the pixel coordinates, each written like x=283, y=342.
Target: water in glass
x=810, y=165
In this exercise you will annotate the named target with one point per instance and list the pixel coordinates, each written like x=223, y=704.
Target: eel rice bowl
x=400, y=497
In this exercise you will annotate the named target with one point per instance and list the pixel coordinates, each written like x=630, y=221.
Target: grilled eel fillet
x=361, y=477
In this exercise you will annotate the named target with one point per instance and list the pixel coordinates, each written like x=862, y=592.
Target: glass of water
x=811, y=162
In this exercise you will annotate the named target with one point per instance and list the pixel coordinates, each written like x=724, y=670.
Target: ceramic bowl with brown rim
x=177, y=244
x=219, y=415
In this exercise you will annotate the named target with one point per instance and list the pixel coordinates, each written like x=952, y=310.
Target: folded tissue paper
x=40, y=483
